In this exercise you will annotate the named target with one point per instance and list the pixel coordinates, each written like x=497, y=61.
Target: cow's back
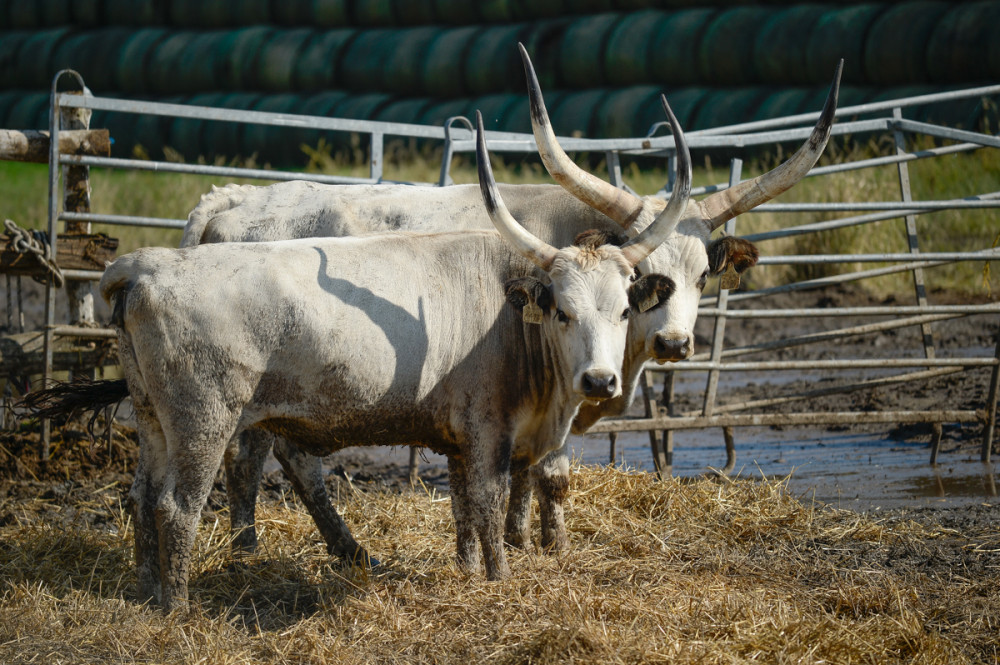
x=300, y=209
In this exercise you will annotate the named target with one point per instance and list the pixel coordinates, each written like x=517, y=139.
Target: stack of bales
x=603, y=63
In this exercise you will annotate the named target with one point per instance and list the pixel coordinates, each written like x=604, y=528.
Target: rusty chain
x=25, y=241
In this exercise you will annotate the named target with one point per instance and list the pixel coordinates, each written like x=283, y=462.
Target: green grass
x=23, y=191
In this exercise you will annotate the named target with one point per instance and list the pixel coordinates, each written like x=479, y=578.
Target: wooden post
x=76, y=198
x=17, y=145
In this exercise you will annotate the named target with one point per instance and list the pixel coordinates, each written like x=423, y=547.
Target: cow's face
x=666, y=309
x=583, y=313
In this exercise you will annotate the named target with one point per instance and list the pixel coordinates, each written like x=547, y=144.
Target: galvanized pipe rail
x=457, y=136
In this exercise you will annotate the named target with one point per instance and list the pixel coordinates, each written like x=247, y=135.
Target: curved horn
x=641, y=246
x=540, y=253
x=616, y=203
x=723, y=206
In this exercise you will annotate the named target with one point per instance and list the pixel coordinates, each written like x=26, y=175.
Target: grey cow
x=663, y=332
x=312, y=340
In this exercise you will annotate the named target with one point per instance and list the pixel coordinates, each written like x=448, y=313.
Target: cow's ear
x=650, y=291
x=728, y=251
x=530, y=297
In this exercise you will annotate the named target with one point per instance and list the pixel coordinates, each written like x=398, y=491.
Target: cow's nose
x=599, y=384
x=671, y=348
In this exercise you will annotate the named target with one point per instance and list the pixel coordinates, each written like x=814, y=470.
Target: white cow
x=333, y=342
x=663, y=331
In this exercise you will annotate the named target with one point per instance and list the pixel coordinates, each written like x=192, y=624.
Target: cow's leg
x=487, y=490
x=244, y=467
x=306, y=474
x=551, y=477
x=142, y=497
x=190, y=473
x=518, y=527
x=465, y=532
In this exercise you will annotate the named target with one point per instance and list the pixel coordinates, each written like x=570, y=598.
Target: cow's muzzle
x=667, y=348
x=599, y=384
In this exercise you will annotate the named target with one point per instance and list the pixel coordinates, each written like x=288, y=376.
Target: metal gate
x=884, y=118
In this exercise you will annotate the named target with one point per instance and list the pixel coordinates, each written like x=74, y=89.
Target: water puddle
x=860, y=471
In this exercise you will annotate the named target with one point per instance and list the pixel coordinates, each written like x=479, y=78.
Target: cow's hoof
x=519, y=541
x=361, y=559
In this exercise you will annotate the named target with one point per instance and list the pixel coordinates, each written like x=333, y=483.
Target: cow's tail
x=217, y=200
x=67, y=399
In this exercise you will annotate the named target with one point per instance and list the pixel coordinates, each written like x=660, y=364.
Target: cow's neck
x=548, y=404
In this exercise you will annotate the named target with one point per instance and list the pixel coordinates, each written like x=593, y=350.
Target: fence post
x=76, y=198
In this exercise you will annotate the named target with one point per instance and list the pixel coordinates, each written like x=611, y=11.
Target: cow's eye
x=625, y=314
x=563, y=318
x=703, y=280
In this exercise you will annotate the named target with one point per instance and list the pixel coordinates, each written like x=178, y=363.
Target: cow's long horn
x=722, y=206
x=617, y=204
x=652, y=236
x=540, y=253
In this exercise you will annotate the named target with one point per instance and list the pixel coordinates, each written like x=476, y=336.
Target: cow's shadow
x=274, y=594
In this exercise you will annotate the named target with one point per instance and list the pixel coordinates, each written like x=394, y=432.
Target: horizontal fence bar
x=809, y=365
x=664, y=145
x=940, y=132
x=827, y=336
x=84, y=333
x=844, y=222
x=831, y=390
x=857, y=109
x=253, y=117
x=463, y=140
x=83, y=275
x=857, y=165
x=814, y=312
x=123, y=220
x=206, y=169
x=877, y=258
x=970, y=203
x=820, y=282
x=793, y=419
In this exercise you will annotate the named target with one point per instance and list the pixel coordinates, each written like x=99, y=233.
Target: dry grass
x=658, y=572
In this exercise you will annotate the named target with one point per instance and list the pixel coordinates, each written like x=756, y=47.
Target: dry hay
x=669, y=572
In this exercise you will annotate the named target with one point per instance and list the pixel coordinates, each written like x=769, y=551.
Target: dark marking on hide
x=595, y=238
x=722, y=252
x=555, y=487
x=118, y=310
x=396, y=220
x=274, y=388
x=644, y=287
x=523, y=290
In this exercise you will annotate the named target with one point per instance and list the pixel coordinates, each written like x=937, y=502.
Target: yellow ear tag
x=531, y=313
x=649, y=302
x=730, y=279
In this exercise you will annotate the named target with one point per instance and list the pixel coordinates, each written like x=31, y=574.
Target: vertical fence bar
x=614, y=168
x=719, y=334
x=660, y=463
x=991, y=409
x=913, y=246
x=668, y=434
x=913, y=243
x=50, y=287
x=377, y=156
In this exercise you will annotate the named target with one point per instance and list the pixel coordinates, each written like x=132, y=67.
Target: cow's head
x=583, y=307
x=664, y=317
